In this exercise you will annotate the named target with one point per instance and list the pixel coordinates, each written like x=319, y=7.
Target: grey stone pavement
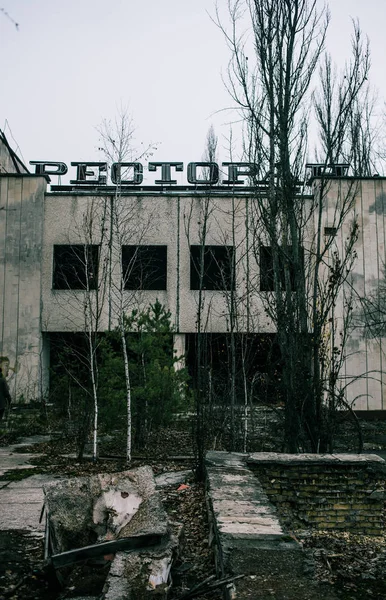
x=21, y=502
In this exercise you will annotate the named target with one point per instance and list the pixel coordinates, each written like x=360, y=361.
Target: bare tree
x=104, y=226
x=127, y=224
x=344, y=108
x=270, y=73
x=198, y=220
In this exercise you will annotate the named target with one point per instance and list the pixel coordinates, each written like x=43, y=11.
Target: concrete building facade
x=65, y=247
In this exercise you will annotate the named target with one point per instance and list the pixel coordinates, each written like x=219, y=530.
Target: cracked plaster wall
x=365, y=360
x=21, y=231
x=29, y=306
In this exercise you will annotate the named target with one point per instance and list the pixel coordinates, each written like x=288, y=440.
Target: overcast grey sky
x=71, y=64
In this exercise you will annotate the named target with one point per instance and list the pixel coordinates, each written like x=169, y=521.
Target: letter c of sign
x=116, y=173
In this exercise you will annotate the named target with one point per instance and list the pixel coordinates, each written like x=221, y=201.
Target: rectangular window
x=144, y=267
x=330, y=231
x=218, y=268
x=75, y=267
x=266, y=268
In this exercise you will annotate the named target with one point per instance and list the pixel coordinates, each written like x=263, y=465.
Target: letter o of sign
x=210, y=179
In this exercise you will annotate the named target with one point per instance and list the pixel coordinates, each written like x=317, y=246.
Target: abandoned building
x=61, y=245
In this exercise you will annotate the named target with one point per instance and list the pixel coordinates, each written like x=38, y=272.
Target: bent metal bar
x=95, y=173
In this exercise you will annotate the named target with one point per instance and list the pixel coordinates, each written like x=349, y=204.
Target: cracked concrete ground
x=21, y=502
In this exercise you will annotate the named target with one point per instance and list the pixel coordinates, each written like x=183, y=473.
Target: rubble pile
x=112, y=518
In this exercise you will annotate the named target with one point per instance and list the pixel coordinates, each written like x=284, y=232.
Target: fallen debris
x=128, y=544
x=116, y=517
x=208, y=585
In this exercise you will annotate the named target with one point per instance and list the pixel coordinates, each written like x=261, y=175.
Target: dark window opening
x=144, y=267
x=218, y=268
x=258, y=366
x=75, y=267
x=267, y=282
x=330, y=231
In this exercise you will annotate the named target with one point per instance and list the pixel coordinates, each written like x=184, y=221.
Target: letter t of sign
x=165, y=171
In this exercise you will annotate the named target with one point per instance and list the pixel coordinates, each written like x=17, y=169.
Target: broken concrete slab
x=172, y=478
x=117, y=586
x=114, y=509
x=69, y=506
x=139, y=575
x=150, y=518
x=143, y=574
x=84, y=510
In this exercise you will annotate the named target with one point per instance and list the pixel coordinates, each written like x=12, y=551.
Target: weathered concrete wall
x=175, y=220
x=171, y=220
x=364, y=366
x=21, y=241
x=9, y=161
x=337, y=491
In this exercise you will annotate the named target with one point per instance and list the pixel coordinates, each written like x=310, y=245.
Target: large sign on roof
x=131, y=173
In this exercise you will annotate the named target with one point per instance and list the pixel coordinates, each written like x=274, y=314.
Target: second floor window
x=217, y=270
x=267, y=283
x=75, y=267
x=144, y=267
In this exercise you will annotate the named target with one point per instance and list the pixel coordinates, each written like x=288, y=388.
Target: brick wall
x=337, y=491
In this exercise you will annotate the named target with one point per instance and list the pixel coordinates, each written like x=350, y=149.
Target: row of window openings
x=145, y=267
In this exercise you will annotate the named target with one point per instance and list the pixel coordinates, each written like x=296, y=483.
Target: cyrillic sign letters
x=131, y=173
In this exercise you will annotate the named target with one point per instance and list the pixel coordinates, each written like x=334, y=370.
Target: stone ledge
x=231, y=482
x=248, y=536
x=313, y=459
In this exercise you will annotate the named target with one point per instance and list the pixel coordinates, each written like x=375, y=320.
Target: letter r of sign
x=235, y=170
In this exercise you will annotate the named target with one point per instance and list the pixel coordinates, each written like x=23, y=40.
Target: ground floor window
x=253, y=360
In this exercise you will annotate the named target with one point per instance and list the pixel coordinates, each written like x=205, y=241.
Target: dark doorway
x=257, y=359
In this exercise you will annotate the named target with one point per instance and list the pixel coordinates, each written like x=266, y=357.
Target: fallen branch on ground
x=208, y=585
